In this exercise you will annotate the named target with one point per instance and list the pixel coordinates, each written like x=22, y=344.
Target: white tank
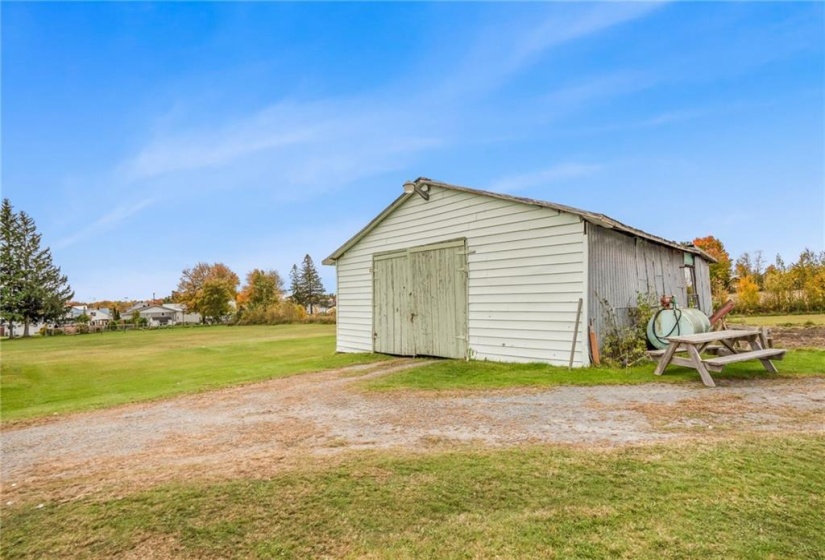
x=675, y=322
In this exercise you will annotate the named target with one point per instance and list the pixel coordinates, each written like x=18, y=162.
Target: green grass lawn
x=778, y=320
x=42, y=376
x=751, y=497
x=454, y=374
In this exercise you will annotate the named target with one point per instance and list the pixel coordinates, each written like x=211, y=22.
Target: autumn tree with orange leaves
x=207, y=289
x=262, y=288
x=720, y=271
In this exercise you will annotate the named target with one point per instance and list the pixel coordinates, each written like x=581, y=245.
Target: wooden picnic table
x=694, y=344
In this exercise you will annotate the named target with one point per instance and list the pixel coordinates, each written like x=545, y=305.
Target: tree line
x=212, y=289
x=33, y=289
x=759, y=286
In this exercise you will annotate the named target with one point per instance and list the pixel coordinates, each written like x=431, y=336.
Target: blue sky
x=144, y=138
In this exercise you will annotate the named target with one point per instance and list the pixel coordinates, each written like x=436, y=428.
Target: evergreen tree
x=32, y=287
x=311, y=286
x=10, y=277
x=296, y=287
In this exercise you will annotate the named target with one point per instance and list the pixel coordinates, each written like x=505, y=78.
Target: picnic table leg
x=665, y=359
x=766, y=363
x=763, y=337
x=700, y=367
x=731, y=347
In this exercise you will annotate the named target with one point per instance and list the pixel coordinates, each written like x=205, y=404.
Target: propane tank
x=672, y=320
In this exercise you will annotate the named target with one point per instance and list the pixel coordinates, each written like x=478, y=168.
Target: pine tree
x=296, y=287
x=311, y=286
x=10, y=277
x=32, y=287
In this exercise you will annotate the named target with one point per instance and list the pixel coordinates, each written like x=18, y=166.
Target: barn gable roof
x=591, y=217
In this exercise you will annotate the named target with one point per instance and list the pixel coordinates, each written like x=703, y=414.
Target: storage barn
x=462, y=273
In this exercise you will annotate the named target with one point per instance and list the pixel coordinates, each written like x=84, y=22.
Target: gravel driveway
x=253, y=430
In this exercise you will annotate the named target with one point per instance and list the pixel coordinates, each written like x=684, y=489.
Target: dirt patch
x=733, y=412
x=257, y=430
x=798, y=337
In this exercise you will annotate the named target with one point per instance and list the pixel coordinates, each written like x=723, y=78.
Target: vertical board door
x=392, y=329
x=420, y=301
x=439, y=299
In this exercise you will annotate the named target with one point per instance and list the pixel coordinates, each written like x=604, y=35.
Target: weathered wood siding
x=703, y=285
x=526, y=274
x=622, y=266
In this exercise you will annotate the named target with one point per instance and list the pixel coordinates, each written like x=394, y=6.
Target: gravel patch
x=255, y=429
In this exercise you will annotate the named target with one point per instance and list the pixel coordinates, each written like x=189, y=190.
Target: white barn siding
x=527, y=268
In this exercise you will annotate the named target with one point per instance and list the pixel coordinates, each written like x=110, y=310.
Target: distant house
x=181, y=316
x=72, y=313
x=16, y=329
x=158, y=315
x=163, y=314
x=136, y=307
x=99, y=317
x=461, y=273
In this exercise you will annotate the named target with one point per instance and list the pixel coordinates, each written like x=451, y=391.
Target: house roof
x=591, y=217
x=155, y=308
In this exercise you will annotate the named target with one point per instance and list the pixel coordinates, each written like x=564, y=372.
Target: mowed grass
x=457, y=375
x=751, y=497
x=817, y=319
x=44, y=376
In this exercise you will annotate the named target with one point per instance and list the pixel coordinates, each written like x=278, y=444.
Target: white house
x=181, y=316
x=17, y=329
x=158, y=315
x=168, y=314
x=462, y=273
x=99, y=317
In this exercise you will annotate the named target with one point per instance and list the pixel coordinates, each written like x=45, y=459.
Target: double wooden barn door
x=420, y=301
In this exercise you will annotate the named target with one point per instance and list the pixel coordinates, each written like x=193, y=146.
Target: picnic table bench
x=694, y=344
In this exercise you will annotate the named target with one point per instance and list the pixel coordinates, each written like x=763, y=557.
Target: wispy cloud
x=562, y=29
x=598, y=87
x=507, y=48
x=319, y=241
x=554, y=174
x=296, y=149
x=666, y=118
x=105, y=222
x=291, y=147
